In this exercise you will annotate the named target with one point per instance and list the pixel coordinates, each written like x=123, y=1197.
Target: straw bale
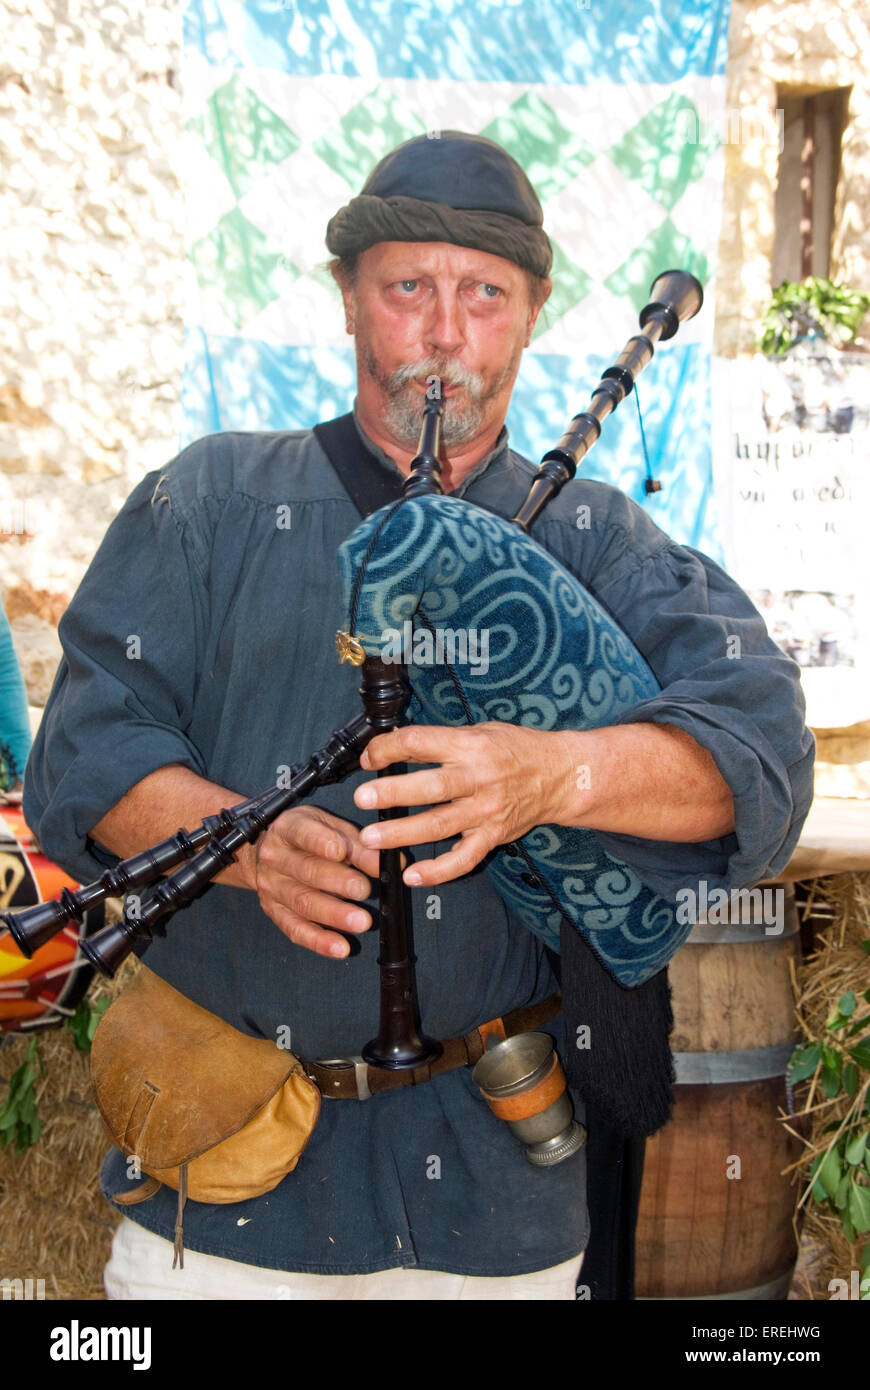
x=836, y=965
x=55, y=1224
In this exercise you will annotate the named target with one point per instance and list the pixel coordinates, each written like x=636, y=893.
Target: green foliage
x=84, y=1022
x=813, y=307
x=18, y=1117
x=804, y=1061
x=840, y=1176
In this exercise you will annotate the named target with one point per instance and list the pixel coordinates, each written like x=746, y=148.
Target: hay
x=840, y=906
x=55, y=1223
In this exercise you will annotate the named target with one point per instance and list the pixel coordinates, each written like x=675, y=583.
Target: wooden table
x=835, y=840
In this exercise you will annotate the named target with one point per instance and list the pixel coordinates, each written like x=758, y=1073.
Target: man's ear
x=349, y=299
x=543, y=295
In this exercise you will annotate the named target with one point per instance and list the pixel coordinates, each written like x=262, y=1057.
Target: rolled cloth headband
x=454, y=187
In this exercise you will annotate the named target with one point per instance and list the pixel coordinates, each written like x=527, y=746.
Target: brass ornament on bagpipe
x=562, y=663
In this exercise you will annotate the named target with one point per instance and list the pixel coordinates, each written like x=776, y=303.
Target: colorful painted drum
x=42, y=991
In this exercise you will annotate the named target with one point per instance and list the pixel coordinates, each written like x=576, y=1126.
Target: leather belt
x=350, y=1078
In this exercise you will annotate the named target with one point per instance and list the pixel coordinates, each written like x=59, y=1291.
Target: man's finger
x=311, y=904
x=413, y=743
x=303, y=828
x=470, y=851
x=438, y=824
x=315, y=872
x=309, y=936
x=365, y=858
x=416, y=788
x=353, y=851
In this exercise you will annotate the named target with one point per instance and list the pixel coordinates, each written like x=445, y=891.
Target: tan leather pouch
x=215, y=1114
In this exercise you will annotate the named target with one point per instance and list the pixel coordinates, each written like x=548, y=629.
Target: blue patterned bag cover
x=526, y=644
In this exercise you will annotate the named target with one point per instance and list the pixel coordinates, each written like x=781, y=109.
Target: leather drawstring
x=178, y=1247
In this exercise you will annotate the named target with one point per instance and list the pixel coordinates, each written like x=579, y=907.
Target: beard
x=462, y=417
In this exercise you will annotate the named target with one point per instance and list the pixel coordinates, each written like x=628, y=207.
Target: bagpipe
x=559, y=661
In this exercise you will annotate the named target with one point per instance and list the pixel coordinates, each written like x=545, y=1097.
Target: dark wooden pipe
x=400, y=1042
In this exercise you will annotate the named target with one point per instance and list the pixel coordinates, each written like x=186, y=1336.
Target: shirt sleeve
x=124, y=690
x=725, y=682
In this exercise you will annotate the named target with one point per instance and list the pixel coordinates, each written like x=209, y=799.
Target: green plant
x=815, y=306
x=840, y=1063
x=83, y=1022
x=18, y=1117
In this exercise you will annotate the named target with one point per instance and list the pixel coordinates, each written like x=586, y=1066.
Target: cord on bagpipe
x=429, y=544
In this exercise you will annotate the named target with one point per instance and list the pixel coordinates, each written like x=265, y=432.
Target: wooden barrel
x=715, y=1218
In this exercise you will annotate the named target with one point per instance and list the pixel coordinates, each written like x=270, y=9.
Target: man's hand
x=497, y=781
x=303, y=868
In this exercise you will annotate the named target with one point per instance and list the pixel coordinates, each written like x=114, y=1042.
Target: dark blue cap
x=447, y=186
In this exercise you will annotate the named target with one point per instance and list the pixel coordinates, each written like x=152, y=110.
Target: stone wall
x=91, y=210
x=804, y=44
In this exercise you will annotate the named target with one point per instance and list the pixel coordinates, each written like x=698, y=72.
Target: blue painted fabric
x=617, y=115
x=14, y=718
x=556, y=41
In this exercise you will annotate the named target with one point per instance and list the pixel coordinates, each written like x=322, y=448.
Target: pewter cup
x=522, y=1082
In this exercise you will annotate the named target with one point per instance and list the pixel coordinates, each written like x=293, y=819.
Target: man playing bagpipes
x=416, y=1191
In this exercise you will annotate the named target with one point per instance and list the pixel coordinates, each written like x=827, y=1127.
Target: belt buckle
x=361, y=1073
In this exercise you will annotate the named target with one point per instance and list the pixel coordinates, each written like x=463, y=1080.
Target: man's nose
x=445, y=331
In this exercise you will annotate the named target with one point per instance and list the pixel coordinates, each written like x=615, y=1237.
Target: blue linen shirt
x=234, y=676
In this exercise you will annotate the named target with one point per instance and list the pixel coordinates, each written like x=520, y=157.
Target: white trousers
x=140, y=1266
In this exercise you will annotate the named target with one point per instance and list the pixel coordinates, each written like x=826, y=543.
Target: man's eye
x=485, y=291
x=408, y=286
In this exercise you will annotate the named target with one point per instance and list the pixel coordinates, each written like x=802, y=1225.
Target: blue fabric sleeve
x=14, y=719
x=725, y=682
x=124, y=691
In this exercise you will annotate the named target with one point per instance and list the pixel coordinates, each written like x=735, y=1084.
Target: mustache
x=451, y=374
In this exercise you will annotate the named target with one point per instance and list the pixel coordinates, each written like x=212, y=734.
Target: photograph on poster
x=815, y=629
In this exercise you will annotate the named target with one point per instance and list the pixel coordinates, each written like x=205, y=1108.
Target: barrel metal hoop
x=740, y=933
x=721, y=1068
x=775, y=1289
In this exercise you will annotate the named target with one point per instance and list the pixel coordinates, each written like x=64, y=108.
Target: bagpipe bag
x=556, y=660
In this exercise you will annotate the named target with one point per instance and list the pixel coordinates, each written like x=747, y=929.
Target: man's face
x=423, y=309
